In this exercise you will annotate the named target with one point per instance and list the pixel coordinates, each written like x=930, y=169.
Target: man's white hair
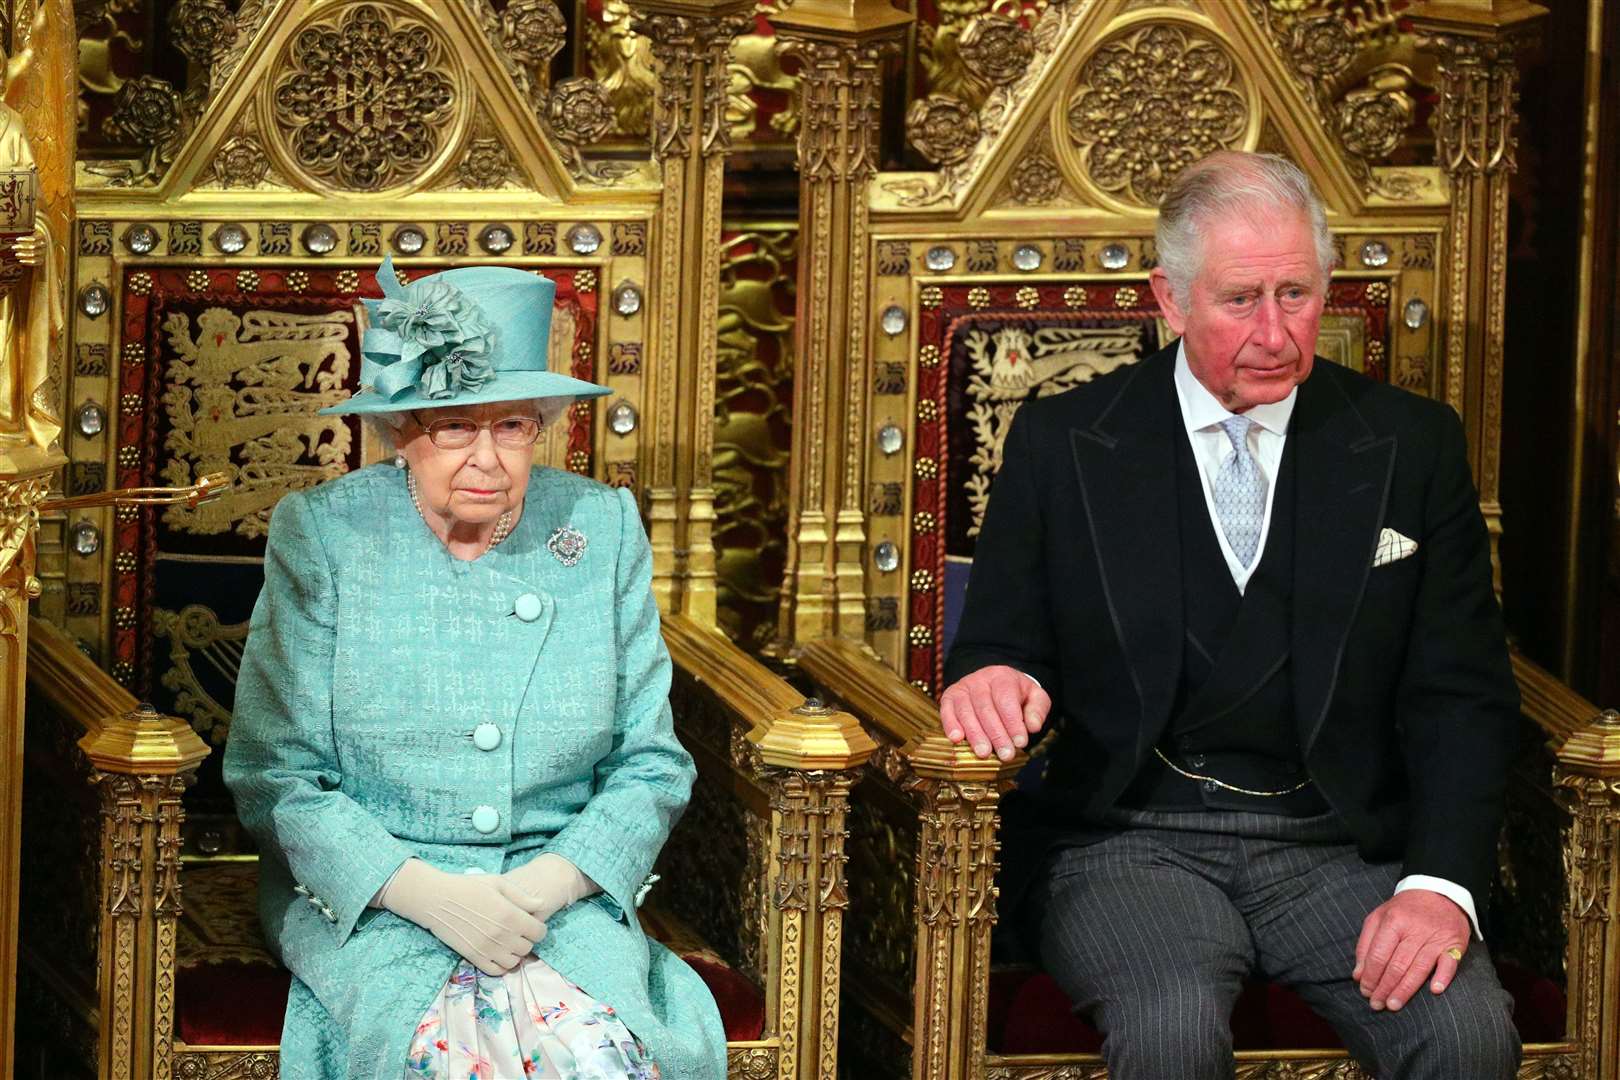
x=1221, y=185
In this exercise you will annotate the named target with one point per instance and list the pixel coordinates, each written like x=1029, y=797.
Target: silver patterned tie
x=1240, y=492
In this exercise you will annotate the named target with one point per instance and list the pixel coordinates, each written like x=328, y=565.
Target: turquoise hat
x=461, y=337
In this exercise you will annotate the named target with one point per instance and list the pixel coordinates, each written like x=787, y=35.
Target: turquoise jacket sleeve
x=642, y=784
x=281, y=761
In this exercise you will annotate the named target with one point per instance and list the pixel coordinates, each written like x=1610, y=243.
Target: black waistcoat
x=1234, y=711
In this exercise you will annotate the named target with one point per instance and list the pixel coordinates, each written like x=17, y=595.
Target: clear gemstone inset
x=1415, y=314
x=496, y=239
x=627, y=298
x=141, y=239
x=890, y=439
x=94, y=300
x=320, y=239
x=584, y=239
x=86, y=538
x=622, y=418
x=409, y=240
x=231, y=239
x=1026, y=257
x=92, y=419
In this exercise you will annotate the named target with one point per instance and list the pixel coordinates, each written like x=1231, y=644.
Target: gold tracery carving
x=1149, y=102
x=366, y=100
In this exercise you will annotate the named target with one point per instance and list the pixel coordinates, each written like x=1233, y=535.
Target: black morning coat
x=1404, y=697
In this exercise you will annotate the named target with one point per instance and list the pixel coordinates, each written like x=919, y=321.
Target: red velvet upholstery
x=237, y=1003
x=742, y=1005
x=233, y=1003
x=1029, y=1014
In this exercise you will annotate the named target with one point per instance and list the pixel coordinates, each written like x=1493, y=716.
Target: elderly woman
x=452, y=733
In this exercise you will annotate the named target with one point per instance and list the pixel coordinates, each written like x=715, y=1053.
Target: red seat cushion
x=1030, y=1014
x=231, y=1003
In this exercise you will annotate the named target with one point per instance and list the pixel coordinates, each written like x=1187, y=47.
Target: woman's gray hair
x=387, y=425
x=1220, y=184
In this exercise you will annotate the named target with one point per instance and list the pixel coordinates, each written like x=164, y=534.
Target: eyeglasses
x=459, y=432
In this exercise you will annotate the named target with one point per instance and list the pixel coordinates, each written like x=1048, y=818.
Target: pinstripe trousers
x=1152, y=922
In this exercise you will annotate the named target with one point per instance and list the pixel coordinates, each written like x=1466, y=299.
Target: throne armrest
x=87, y=733
x=757, y=863
x=904, y=717
x=1586, y=776
x=923, y=837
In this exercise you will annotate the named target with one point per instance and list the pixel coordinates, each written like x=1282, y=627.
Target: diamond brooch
x=568, y=544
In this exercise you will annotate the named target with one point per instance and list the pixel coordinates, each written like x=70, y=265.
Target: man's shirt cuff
x=1448, y=889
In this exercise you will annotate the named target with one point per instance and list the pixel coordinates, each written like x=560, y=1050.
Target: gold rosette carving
x=996, y=48
x=942, y=128
x=202, y=30
x=533, y=31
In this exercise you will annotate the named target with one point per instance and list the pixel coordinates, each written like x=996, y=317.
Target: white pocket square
x=1392, y=547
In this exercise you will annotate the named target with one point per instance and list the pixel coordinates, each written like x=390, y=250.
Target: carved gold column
x=811, y=754
x=956, y=904
x=37, y=139
x=1587, y=777
x=840, y=46
x=691, y=40
x=143, y=761
x=1477, y=43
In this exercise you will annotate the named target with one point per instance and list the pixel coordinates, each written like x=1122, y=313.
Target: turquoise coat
x=372, y=655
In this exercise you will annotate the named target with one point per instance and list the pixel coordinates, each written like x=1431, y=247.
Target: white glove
x=485, y=918
x=553, y=882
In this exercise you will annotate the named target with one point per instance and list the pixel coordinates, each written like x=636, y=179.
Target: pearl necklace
x=503, y=524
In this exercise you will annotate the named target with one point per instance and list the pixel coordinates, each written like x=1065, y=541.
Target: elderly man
x=1253, y=590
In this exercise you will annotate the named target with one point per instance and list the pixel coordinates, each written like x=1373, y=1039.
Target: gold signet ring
x=1454, y=952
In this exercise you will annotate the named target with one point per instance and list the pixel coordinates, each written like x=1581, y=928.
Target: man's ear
x=1174, y=313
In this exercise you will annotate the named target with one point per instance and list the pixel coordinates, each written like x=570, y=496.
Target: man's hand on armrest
x=994, y=708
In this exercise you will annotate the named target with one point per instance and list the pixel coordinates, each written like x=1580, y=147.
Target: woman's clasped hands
x=491, y=920
x=488, y=919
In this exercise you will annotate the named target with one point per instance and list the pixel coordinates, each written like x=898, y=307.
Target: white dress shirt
x=1202, y=414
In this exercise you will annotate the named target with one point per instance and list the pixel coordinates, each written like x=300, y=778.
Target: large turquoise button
x=486, y=819
x=486, y=736
x=528, y=607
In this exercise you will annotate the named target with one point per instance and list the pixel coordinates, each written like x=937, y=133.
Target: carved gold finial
x=1594, y=748
x=813, y=736
x=936, y=757
x=143, y=741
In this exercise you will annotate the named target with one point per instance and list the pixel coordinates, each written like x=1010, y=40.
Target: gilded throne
x=1016, y=268
x=214, y=309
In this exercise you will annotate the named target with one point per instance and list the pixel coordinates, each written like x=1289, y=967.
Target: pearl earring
x=399, y=461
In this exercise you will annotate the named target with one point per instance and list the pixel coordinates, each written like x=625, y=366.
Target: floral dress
x=529, y=1024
